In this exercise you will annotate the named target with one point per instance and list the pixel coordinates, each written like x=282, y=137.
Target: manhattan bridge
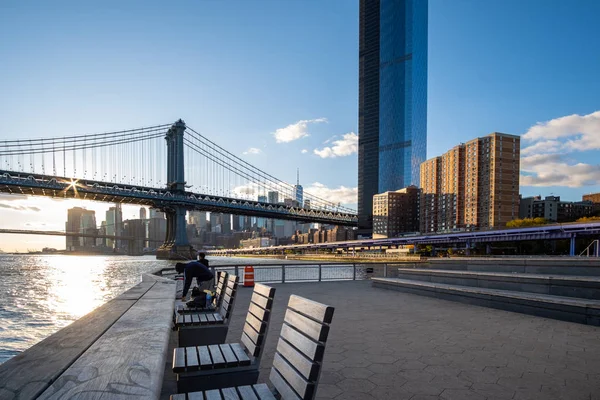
x=135, y=167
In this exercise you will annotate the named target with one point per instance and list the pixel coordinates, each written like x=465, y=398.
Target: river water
x=40, y=294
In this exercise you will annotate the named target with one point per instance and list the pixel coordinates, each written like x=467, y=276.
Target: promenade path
x=386, y=344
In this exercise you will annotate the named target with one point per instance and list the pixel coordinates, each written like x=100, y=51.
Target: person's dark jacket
x=198, y=270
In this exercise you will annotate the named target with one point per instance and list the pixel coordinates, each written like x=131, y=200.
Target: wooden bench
x=204, y=328
x=219, y=292
x=214, y=366
x=297, y=362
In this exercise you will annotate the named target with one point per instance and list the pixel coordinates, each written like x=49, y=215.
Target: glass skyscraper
x=392, y=110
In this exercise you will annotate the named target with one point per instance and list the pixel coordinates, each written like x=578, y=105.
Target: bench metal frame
x=297, y=362
x=196, y=329
x=193, y=374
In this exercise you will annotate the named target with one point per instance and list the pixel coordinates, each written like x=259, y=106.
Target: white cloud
x=304, y=151
x=295, y=131
x=553, y=170
x=253, y=150
x=344, y=147
x=342, y=194
x=570, y=133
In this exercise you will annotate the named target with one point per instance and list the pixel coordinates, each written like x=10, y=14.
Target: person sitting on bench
x=193, y=269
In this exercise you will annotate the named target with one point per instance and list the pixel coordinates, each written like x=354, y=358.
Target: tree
x=520, y=223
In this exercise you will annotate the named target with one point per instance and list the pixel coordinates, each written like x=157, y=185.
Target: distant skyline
x=278, y=85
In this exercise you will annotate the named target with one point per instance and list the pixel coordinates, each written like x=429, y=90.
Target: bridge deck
x=392, y=345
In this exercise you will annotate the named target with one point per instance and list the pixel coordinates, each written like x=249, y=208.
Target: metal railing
x=305, y=272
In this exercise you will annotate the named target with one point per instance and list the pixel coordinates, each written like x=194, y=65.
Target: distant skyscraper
x=114, y=224
x=156, y=213
x=262, y=199
x=298, y=190
x=392, y=99
x=142, y=212
x=273, y=197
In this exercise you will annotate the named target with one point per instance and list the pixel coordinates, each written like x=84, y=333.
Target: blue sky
x=239, y=71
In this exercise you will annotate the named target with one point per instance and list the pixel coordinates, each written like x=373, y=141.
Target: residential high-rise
x=396, y=212
x=142, y=212
x=392, y=99
x=473, y=186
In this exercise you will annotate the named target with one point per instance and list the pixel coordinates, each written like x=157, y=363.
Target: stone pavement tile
x=479, y=376
x=435, y=360
x=416, y=375
x=450, y=382
x=520, y=384
x=440, y=370
x=356, y=385
x=330, y=377
x=461, y=394
x=413, y=364
x=381, y=358
x=350, y=372
x=390, y=392
x=393, y=380
x=327, y=391
x=423, y=387
x=333, y=366
x=565, y=373
x=384, y=368
x=424, y=397
x=571, y=392
x=492, y=390
x=349, y=395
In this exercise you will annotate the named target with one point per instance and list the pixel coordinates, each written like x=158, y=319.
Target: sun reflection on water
x=75, y=285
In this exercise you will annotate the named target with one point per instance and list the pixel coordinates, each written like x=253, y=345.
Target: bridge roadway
x=76, y=234
x=547, y=232
x=86, y=189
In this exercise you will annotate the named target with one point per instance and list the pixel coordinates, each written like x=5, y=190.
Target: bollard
x=248, y=276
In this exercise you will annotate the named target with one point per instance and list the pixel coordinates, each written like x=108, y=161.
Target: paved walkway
x=390, y=345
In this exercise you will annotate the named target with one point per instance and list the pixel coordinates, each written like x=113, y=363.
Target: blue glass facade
x=402, y=92
x=392, y=111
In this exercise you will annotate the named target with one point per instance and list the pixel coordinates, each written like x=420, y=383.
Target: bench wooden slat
x=230, y=284
x=230, y=358
x=192, y=358
x=257, y=324
x=253, y=335
x=263, y=302
x=240, y=354
x=263, y=391
x=195, y=396
x=308, y=347
x=195, y=319
x=178, y=397
x=211, y=318
x=179, y=359
x=227, y=298
x=214, y=394
x=205, y=361
x=308, y=368
x=292, y=377
x=253, y=349
x=218, y=318
x=309, y=327
x=180, y=319
x=230, y=394
x=246, y=393
x=217, y=357
x=317, y=311
x=203, y=319
x=264, y=290
x=282, y=386
x=258, y=312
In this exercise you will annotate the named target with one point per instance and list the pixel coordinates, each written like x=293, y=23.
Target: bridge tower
x=176, y=245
